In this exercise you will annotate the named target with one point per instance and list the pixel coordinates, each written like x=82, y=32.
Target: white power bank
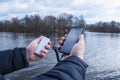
x=41, y=45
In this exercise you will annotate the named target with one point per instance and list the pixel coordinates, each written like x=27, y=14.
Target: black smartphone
x=71, y=39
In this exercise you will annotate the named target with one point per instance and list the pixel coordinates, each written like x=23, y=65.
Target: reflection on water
x=102, y=52
x=11, y=40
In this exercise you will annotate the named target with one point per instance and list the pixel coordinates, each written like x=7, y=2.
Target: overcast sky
x=92, y=10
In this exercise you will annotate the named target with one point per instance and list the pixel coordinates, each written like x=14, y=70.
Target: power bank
x=41, y=45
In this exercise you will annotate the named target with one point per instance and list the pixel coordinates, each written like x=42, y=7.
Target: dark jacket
x=1, y=77
x=12, y=60
x=72, y=68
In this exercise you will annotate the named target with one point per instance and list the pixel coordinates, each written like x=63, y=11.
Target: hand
x=77, y=50
x=61, y=40
x=31, y=56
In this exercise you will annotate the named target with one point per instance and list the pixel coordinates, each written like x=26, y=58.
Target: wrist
x=27, y=57
x=79, y=56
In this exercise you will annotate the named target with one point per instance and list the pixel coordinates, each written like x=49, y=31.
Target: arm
x=1, y=77
x=18, y=58
x=72, y=68
x=11, y=60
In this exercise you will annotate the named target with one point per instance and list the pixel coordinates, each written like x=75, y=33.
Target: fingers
x=58, y=46
x=65, y=35
x=48, y=45
x=61, y=40
x=42, y=54
x=45, y=50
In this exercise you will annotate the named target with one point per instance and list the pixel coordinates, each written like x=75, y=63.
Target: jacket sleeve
x=72, y=68
x=12, y=60
x=1, y=77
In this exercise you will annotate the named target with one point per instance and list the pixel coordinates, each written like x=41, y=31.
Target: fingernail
x=81, y=36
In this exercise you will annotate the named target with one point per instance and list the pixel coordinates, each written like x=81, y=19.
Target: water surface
x=102, y=54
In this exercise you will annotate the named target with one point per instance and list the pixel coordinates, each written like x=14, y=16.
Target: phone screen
x=71, y=39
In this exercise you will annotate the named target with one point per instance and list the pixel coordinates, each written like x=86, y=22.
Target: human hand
x=30, y=49
x=60, y=42
x=77, y=50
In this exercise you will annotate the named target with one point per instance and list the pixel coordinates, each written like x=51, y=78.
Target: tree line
x=51, y=24
x=106, y=27
x=46, y=25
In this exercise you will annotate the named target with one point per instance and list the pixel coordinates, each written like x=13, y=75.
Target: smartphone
x=71, y=39
x=42, y=45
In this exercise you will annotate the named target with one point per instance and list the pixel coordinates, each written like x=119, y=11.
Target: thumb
x=81, y=38
x=38, y=39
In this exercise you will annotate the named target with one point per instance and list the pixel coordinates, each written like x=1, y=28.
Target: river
x=102, y=55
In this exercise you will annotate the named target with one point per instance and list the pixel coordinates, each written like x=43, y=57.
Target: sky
x=92, y=10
